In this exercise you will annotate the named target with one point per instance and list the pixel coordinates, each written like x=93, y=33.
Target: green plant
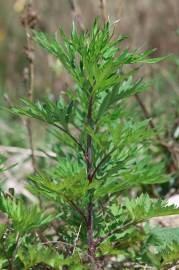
x=104, y=153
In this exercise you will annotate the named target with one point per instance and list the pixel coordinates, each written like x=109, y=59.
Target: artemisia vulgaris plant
x=100, y=216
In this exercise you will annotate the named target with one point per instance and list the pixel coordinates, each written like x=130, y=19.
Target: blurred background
x=148, y=23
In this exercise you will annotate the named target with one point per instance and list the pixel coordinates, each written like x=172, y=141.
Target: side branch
x=78, y=209
x=117, y=230
x=101, y=162
x=72, y=137
x=145, y=111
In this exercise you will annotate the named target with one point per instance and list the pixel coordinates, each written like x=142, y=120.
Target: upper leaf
x=93, y=58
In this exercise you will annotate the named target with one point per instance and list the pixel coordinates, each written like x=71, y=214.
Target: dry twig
x=76, y=239
x=103, y=10
x=28, y=152
x=29, y=21
x=76, y=13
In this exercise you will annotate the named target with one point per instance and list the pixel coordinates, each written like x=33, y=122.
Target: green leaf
x=143, y=208
x=50, y=43
x=67, y=180
x=3, y=228
x=163, y=237
x=33, y=255
x=2, y=160
x=24, y=219
x=166, y=258
x=47, y=111
x=170, y=255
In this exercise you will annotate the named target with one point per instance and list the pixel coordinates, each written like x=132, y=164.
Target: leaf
x=161, y=237
x=67, y=180
x=143, y=208
x=165, y=258
x=50, y=43
x=3, y=228
x=170, y=254
x=24, y=219
x=68, y=112
x=47, y=111
x=127, y=172
x=154, y=60
x=2, y=160
x=108, y=249
x=33, y=255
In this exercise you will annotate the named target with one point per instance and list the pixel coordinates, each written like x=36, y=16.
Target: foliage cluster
x=88, y=218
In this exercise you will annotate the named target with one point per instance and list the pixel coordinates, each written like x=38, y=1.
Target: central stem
x=91, y=246
x=89, y=142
